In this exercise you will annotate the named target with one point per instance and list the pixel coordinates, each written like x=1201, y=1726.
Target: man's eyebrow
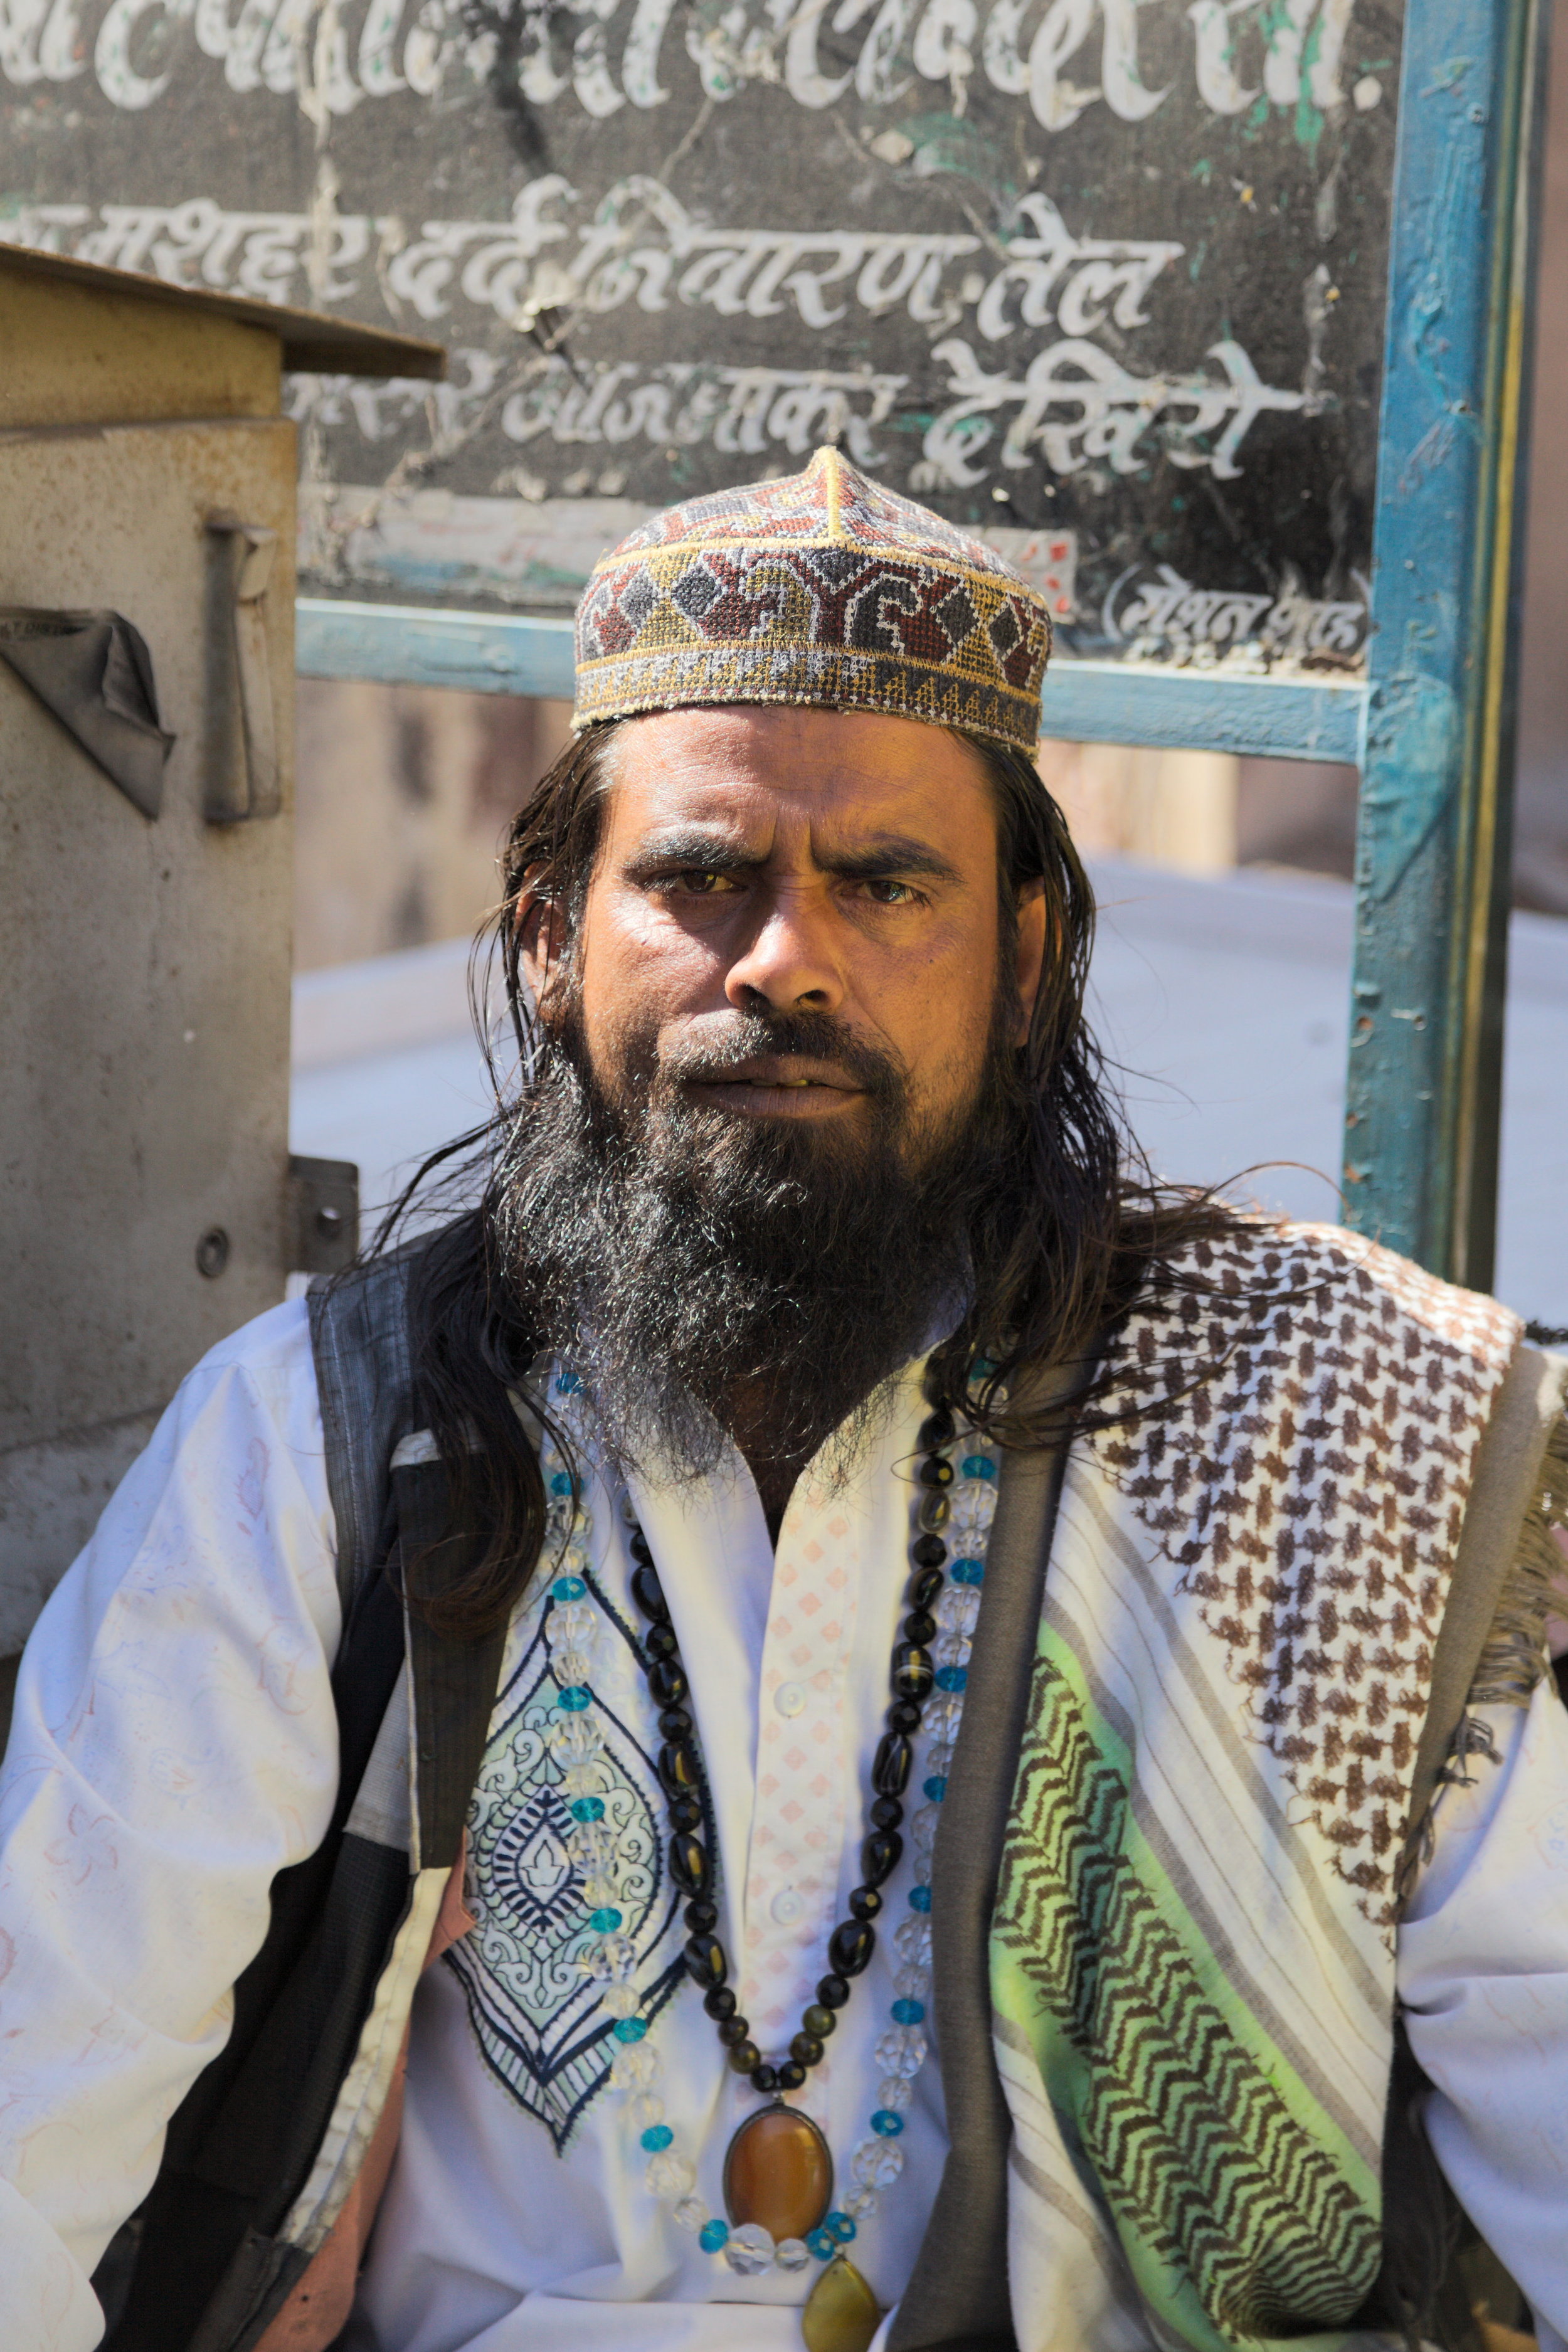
x=890, y=856
x=716, y=852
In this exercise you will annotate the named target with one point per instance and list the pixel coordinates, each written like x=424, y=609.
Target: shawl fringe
x=1514, y=1658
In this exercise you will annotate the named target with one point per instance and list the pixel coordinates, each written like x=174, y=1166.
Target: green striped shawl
x=1193, y=1947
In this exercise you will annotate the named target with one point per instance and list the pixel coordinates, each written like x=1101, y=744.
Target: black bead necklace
x=681, y=1775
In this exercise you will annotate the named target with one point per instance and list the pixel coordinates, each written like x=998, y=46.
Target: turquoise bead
x=713, y=2235
x=575, y=1697
x=841, y=2225
x=968, y=1571
x=823, y=2243
x=568, y=1384
x=920, y=1898
x=586, y=1809
x=975, y=1465
x=629, y=2028
x=909, y=2013
x=604, y=1923
x=936, y=1787
x=569, y=1588
x=656, y=2137
x=952, y=1678
x=560, y=1484
x=886, y=2123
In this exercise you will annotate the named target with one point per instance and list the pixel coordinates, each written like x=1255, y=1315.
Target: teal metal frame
x=1432, y=726
x=1085, y=701
x=1434, y=847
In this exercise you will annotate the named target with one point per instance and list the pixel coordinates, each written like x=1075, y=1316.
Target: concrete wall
x=144, y=1053
x=1205, y=812
x=404, y=794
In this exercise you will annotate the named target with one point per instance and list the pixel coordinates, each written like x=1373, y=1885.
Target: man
x=823, y=1718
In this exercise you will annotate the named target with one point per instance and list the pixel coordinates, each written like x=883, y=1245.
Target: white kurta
x=788, y=1660
x=1483, y=1968
x=174, y=1747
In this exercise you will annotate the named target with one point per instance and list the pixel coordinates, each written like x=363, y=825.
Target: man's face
x=788, y=862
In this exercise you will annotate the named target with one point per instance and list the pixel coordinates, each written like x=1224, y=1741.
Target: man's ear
x=540, y=946
x=1031, y=961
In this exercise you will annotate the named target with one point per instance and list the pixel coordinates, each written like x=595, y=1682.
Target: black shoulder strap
x=957, y=2299
x=453, y=1681
x=360, y=1340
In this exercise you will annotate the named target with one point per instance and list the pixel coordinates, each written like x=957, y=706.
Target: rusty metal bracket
x=244, y=779
x=323, y=1225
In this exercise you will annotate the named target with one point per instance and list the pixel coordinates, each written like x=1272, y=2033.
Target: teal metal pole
x=1085, y=701
x=1434, y=847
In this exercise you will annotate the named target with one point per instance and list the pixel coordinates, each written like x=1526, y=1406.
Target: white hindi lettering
x=1065, y=56
x=641, y=246
x=1078, y=407
x=748, y=411
x=1067, y=415
x=1161, y=617
x=267, y=255
x=1074, y=405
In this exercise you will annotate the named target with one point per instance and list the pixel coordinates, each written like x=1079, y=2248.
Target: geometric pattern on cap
x=823, y=588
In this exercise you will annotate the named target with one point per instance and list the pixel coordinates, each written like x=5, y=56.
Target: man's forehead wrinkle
x=799, y=806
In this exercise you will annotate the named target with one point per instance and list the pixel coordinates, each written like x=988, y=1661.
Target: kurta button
x=789, y=1698
x=787, y=1907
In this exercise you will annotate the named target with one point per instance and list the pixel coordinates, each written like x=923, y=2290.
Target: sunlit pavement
x=1221, y=1002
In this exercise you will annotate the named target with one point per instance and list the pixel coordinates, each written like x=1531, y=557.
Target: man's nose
x=789, y=960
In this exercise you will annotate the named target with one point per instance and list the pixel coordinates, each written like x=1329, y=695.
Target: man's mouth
x=779, y=1085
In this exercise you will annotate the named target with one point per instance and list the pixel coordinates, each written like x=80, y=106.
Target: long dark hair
x=1051, y=1279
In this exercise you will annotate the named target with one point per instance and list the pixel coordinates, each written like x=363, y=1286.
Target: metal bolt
x=212, y=1253
x=329, y=1224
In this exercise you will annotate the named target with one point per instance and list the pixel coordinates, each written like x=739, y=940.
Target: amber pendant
x=778, y=2172
x=841, y=2314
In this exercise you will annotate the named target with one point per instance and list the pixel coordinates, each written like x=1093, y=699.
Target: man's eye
x=892, y=893
x=700, y=881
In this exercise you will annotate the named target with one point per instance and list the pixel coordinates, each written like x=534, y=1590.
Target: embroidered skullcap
x=822, y=589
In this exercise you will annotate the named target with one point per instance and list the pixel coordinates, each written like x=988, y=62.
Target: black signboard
x=1105, y=276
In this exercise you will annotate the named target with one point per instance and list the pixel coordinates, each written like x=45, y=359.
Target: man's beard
x=692, y=1262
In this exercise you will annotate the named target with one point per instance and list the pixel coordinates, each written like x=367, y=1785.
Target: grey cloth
x=94, y=672
x=957, y=2298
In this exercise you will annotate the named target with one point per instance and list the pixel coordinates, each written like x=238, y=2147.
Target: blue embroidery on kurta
x=539, y=2021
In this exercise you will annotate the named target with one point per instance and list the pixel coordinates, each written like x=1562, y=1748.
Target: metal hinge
x=324, y=1226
